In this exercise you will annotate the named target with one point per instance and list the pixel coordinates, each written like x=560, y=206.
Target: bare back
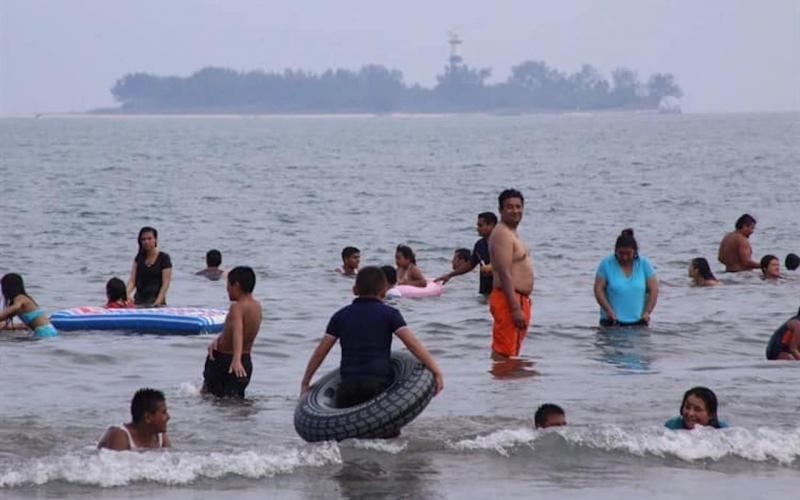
x=249, y=310
x=508, y=250
x=735, y=252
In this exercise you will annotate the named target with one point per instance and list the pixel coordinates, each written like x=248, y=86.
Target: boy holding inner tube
x=365, y=329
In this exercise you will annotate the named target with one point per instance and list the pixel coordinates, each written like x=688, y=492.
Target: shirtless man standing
x=735, y=250
x=509, y=302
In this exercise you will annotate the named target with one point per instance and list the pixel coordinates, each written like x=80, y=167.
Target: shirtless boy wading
x=510, y=302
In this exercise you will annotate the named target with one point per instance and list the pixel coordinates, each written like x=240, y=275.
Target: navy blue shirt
x=480, y=254
x=365, y=329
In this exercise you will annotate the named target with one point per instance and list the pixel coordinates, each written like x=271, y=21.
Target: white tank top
x=132, y=445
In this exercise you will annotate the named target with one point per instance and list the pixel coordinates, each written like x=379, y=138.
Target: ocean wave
x=108, y=468
x=758, y=445
x=392, y=447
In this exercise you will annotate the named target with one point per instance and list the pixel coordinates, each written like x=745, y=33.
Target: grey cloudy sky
x=728, y=55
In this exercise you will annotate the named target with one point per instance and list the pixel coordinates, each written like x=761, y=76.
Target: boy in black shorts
x=228, y=365
x=365, y=329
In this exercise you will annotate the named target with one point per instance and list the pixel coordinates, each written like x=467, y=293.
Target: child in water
x=117, y=294
x=212, y=271
x=228, y=367
x=549, y=415
x=19, y=303
x=770, y=267
x=699, y=408
x=366, y=328
x=407, y=271
x=785, y=342
x=701, y=274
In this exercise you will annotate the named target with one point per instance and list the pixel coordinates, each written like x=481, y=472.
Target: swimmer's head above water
x=404, y=256
x=12, y=285
x=770, y=267
x=699, y=407
x=549, y=415
x=792, y=262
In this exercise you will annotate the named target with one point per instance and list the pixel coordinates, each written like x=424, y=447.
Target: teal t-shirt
x=626, y=294
x=676, y=424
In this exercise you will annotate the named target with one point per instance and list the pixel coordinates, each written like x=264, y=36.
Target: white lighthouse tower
x=455, y=50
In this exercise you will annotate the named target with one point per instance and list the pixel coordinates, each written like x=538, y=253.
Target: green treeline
x=532, y=86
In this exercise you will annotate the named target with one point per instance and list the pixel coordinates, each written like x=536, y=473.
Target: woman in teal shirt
x=625, y=286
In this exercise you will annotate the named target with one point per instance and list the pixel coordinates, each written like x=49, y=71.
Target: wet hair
x=370, y=281
x=244, y=276
x=701, y=264
x=709, y=399
x=488, y=217
x=145, y=401
x=12, y=285
x=116, y=290
x=463, y=254
x=792, y=262
x=509, y=193
x=145, y=229
x=744, y=220
x=406, y=252
x=544, y=412
x=765, y=260
x=347, y=252
x=391, y=275
x=213, y=258
x=626, y=240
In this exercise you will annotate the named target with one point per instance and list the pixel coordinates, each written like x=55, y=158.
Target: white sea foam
x=108, y=468
x=188, y=389
x=759, y=445
x=393, y=447
x=500, y=441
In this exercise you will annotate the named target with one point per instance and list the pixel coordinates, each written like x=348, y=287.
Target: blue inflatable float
x=176, y=320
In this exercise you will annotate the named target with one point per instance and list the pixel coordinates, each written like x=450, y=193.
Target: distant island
x=532, y=87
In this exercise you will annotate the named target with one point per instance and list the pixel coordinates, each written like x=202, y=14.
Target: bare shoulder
x=501, y=233
x=114, y=439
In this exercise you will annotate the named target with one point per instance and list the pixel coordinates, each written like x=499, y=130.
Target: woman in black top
x=151, y=271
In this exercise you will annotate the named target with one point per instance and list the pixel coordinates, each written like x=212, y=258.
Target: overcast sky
x=727, y=55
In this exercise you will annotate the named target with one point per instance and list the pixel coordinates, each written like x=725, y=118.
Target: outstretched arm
x=316, y=359
x=418, y=349
x=464, y=268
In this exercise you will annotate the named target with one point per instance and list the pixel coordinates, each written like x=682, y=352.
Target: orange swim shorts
x=506, y=337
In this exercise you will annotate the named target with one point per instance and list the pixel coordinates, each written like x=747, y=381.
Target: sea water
x=285, y=194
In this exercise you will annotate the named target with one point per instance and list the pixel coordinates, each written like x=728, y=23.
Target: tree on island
x=532, y=86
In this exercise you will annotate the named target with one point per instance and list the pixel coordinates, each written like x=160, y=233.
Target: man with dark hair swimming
x=735, y=250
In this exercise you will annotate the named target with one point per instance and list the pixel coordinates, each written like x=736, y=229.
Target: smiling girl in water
x=407, y=271
x=699, y=408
